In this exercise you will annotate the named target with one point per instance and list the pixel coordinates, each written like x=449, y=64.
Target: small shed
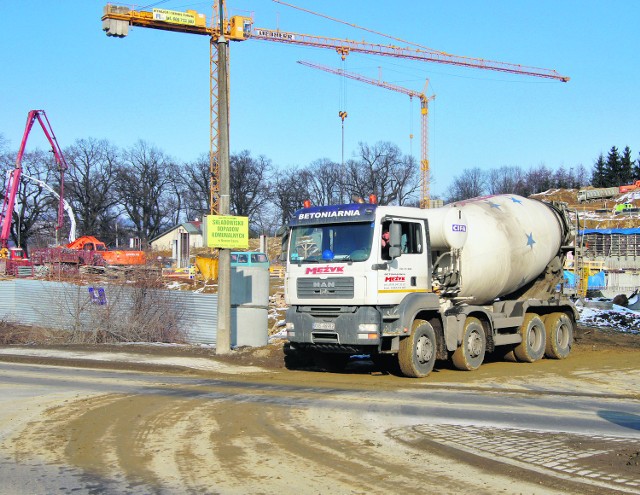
x=180, y=240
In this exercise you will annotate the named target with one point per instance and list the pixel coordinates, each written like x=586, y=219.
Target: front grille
x=325, y=338
x=325, y=288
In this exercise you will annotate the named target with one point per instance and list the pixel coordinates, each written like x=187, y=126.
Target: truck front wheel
x=417, y=353
x=470, y=354
x=296, y=358
x=533, y=339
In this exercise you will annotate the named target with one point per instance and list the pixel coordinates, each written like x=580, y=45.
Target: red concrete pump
x=13, y=183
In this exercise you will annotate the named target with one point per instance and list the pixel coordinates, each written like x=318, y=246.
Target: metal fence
x=68, y=306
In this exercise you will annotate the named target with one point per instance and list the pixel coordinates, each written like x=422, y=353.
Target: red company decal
x=395, y=279
x=318, y=270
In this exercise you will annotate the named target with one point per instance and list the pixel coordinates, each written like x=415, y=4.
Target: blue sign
x=357, y=212
x=98, y=296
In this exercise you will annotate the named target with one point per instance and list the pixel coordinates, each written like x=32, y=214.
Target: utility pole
x=223, y=340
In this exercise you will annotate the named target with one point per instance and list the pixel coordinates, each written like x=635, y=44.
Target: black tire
x=386, y=363
x=333, y=363
x=417, y=353
x=507, y=353
x=470, y=354
x=295, y=359
x=533, y=339
x=559, y=330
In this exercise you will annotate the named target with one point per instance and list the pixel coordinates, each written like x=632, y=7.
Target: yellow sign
x=227, y=232
x=174, y=16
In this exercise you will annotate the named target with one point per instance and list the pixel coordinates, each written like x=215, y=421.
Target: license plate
x=324, y=325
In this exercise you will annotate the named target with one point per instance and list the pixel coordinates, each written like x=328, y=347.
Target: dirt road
x=545, y=428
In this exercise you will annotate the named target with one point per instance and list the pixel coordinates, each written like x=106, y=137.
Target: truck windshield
x=331, y=243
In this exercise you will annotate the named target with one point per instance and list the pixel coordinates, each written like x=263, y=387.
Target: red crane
x=13, y=181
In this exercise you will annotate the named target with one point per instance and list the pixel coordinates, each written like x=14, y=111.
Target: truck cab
x=13, y=254
x=346, y=286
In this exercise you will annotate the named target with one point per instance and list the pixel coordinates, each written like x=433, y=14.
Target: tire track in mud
x=222, y=437
x=202, y=446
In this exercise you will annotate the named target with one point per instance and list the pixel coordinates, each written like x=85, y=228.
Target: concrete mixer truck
x=410, y=287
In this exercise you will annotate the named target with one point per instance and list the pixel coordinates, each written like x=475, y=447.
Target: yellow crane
x=424, y=112
x=117, y=19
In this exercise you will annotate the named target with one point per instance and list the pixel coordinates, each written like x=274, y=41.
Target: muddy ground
x=172, y=442
x=590, y=343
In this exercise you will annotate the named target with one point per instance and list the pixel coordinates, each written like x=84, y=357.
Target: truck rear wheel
x=533, y=339
x=417, y=353
x=470, y=354
x=559, y=329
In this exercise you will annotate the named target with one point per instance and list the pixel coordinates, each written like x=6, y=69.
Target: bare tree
x=142, y=186
x=504, y=180
x=249, y=183
x=382, y=170
x=290, y=189
x=537, y=180
x=579, y=176
x=407, y=181
x=327, y=184
x=196, y=177
x=177, y=193
x=470, y=184
x=90, y=186
x=267, y=220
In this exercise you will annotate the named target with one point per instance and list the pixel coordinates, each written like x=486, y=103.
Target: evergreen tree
x=613, y=173
x=598, y=178
x=626, y=167
x=636, y=169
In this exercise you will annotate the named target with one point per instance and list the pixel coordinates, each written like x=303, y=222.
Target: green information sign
x=227, y=232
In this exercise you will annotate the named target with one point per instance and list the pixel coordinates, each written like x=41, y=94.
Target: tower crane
x=424, y=111
x=117, y=19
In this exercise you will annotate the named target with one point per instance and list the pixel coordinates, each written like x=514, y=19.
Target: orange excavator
x=86, y=251
x=88, y=243
x=630, y=187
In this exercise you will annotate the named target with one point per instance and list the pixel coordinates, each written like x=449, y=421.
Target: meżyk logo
x=319, y=270
x=394, y=279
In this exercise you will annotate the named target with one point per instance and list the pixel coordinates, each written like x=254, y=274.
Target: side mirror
x=395, y=239
x=284, y=244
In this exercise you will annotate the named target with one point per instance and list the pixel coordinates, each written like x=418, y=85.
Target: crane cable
x=359, y=27
x=343, y=103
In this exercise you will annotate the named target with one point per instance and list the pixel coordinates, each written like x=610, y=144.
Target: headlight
x=368, y=331
x=368, y=327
